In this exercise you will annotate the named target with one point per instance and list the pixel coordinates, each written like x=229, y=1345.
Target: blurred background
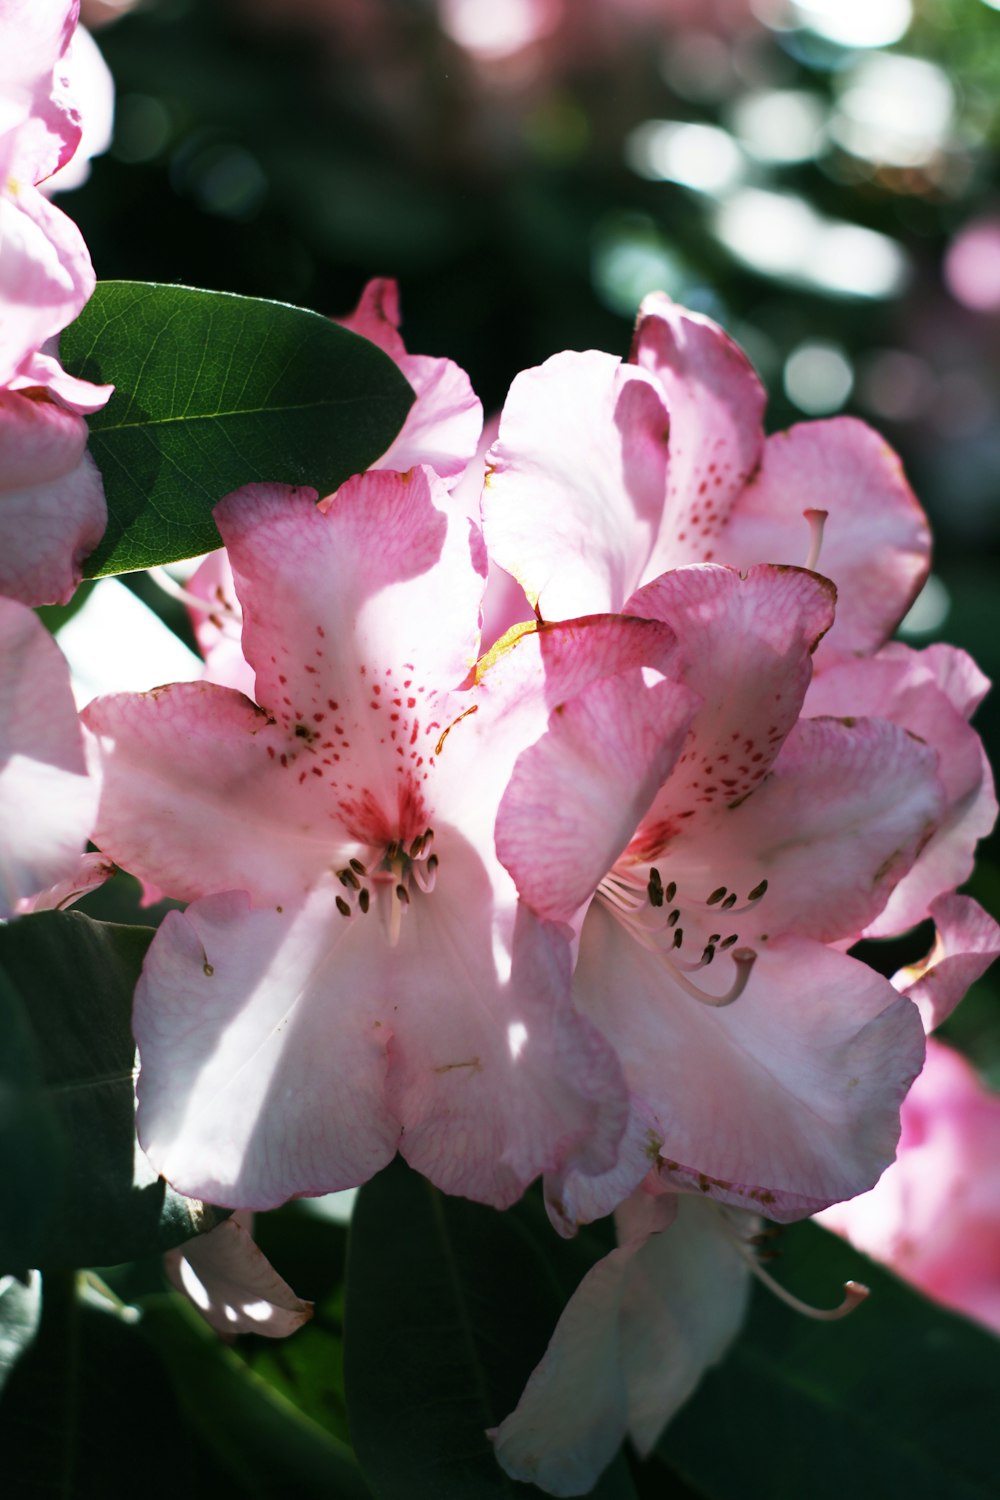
x=820, y=176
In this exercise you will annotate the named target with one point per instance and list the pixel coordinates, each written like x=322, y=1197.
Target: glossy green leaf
x=265, y=1443
x=449, y=1307
x=214, y=391
x=899, y=1398
x=66, y=983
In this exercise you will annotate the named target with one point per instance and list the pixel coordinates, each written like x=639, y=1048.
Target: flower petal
x=47, y=801
x=493, y=1074
x=876, y=541
x=576, y=795
x=840, y=819
x=52, y=508
x=442, y=427
x=203, y=792
x=233, y=1284
x=631, y=1345
x=576, y=482
x=966, y=942
x=787, y=1098
x=262, y=1067
x=716, y=406
x=927, y=693
x=744, y=644
x=330, y=598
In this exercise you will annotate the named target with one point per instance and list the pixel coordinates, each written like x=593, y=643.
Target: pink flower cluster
x=579, y=907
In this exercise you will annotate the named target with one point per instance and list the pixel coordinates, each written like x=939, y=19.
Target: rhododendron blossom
x=52, y=510
x=353, y=973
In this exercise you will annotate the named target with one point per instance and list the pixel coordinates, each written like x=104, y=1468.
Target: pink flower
x=765, y=1066
x=47, y=801
x=934, y=1217
x=52, y=510
x=354, y=974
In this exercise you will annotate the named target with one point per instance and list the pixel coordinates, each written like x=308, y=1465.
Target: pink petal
x=966, y=942
x=788, y=1097
x=262, y=1066
x=52, y=508
x=92, y=870
x=934, y=1217
x=576, y=795
x=716, y=406
x=91, y=87
x=876, y=541
x=46, y=277
x=46, y=798
x=35, y=37
x=496, y=1079
x=576, y=482
x=631, y=1345
x=233, y=1284
x=444, y=423
x=196, y=796
x=218, y=628
x=744, y=644
x=356, y=615
x=841, y=818
x=925, y=692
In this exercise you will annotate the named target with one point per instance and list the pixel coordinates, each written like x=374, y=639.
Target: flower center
x=388, y=876
x=678, y=928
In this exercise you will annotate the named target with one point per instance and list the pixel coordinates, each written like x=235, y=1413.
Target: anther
x=403, y=895
x=729, y=902
x=342, y=907
x=432, y=862
x=364, y=899
x=674, y=917
x=357, y=867
x=678, y=936
x=708, y=954
x=670, y=891
x=728, y=942
x=654, y=889
x=716, y=896
x=758, y=891
x=349, y=879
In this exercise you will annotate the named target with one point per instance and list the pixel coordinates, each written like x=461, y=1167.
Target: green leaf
x=266, y=1444
x=66, y=986
x=89, y=1411
x=449, y=1307
x=897, y=1399
x=20, y=1312
x=214, y=391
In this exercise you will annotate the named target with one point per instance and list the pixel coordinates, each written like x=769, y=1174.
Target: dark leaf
x=897, y=1399
x=77, y=1191
x=214, y=391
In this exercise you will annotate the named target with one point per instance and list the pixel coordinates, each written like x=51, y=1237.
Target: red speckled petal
x=744, y=645
x=716, y=406
x=359, y=616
